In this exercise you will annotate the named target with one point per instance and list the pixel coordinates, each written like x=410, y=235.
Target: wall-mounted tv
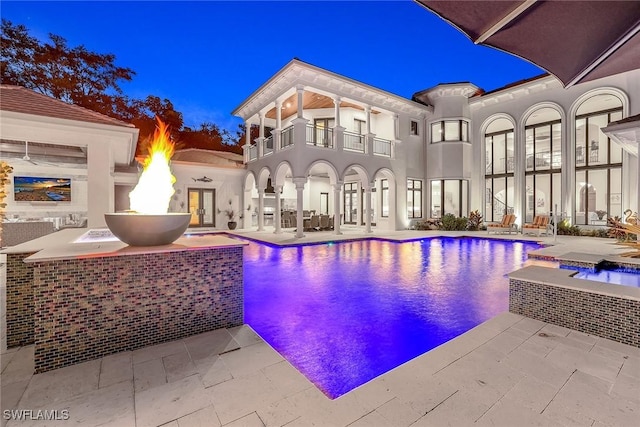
x=41, y=189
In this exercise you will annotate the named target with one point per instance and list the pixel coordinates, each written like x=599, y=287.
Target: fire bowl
x=137, y=229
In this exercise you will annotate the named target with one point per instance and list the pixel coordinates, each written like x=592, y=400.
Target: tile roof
x=210, y=157
x=23, y=100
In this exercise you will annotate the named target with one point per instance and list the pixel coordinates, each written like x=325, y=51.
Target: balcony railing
x=381, y=147
x=267, y=145
x=286, y=137
x=319, y=136
x=253, y=152
x=353, y=142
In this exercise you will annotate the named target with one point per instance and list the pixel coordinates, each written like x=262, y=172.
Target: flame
x=153, y=193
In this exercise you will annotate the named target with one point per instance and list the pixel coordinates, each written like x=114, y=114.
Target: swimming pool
x=345, y=313
x=616, y=276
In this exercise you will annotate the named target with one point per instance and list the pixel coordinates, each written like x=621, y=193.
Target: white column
x=367, y=110
x=260, y=209
x=336, y=110
x=367, y=209
x=300, y=90
x=337, y=187
x=260, y=138
x=277, y=131
x=369, y=136
x=299, y=183
x=276, y=215
x=247, y=141
x=100, y=184
x=396, y=127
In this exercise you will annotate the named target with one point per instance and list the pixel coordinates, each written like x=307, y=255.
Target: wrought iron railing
x=286, y=137
x=354, y=142
x=267, y=146
x=319, y=136
x=381, y=147
x=253, y=152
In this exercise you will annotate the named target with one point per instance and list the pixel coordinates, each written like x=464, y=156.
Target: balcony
x=320, y=137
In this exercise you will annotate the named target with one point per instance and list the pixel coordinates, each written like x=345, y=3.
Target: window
x=414, y=127
x=414, y=198
x=499, y=185
x=598, y=169
x=450, y=130
x=360, y=126
x=323, y=134
x=453, y=200
x=384, y=196
x=543, y=168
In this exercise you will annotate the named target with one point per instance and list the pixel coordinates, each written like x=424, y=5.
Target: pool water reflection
x=345, y=313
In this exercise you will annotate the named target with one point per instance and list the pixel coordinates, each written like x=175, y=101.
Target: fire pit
x=148, y=223
x=147, y=230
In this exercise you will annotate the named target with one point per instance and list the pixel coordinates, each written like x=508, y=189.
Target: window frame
x=463, y=131
x=415, y=191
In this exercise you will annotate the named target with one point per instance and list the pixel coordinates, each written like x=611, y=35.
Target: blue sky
x=207, y=56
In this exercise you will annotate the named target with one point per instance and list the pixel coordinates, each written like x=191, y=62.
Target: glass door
x=202, y=207
x=351, y=203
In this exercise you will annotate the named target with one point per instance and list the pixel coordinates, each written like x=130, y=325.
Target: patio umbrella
x=574, y=40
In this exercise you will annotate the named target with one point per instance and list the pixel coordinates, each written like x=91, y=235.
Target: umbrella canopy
x=574, y=40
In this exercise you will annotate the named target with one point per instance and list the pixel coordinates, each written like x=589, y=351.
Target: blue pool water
x=347, y=312
x=615, y=276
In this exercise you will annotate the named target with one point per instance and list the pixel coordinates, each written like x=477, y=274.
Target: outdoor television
x=41, y=189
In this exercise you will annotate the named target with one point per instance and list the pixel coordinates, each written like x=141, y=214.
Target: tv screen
x=41, y=189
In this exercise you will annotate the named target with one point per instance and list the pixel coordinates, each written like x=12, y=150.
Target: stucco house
x=94, y=156
x=374, y=159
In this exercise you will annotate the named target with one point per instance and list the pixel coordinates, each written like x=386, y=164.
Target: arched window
x=543, y=164
x=499, y=146
x=598, y=161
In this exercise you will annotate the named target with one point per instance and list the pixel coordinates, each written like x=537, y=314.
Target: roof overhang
x=325, y=83
x=626, y=133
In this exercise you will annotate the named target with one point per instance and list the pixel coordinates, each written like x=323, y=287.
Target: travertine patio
x=507, y=371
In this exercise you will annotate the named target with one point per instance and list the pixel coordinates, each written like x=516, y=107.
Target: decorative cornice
x=313, y=78
x=515, y=92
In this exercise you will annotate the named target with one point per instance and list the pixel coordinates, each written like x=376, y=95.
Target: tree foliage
x=92, y=80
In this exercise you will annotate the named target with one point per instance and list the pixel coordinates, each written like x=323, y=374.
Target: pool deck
x=508, y=371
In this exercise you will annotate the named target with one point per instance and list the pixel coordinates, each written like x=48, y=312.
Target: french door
x=202, y=207
x=351, y=203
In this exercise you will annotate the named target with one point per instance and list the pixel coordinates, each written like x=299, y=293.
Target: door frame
x=201, y=208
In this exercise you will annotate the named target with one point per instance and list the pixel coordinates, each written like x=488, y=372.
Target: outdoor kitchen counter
x=89, y=249
x=82, y=296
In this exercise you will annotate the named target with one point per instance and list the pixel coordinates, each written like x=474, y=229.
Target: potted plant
x=231, y=215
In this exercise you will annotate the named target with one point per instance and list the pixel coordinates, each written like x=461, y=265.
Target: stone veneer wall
x=87, y=308
x=610, y=317
x=19, y=300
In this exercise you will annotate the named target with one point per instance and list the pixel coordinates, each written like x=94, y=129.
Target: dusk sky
x=206, y=57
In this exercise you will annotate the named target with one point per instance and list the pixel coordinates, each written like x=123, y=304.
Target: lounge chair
x=507, y=225
x=539, y=225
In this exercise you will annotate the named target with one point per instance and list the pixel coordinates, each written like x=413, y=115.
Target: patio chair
x=539, y=225
x=314, y=223
x=324, y=222
x=507, y=225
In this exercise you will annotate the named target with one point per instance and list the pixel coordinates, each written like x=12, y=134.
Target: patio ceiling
x=310, y=101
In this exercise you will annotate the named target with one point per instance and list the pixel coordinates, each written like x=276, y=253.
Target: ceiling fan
x=27, y=158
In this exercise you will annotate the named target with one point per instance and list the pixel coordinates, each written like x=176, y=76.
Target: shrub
x=598, y=232
x=452, y=223
x=568, y=230
x=475, y=219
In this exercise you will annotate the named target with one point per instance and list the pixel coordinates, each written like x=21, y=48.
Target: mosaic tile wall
x=88, y=308
x=614, y=318
x=19, y=300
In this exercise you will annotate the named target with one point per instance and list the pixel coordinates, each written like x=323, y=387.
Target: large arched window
x=499, y=161
x=598, y=189
x=543, y=140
